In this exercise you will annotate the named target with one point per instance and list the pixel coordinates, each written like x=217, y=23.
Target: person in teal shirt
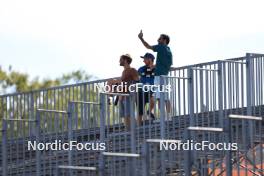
x=164, y=55
x=163, y=63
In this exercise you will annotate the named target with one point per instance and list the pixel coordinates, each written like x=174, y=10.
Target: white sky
x=51, y=37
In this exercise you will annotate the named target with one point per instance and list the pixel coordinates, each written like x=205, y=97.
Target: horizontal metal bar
x=177, y=77
x=162, y=140
x=77, y=167
x=204, y=64
x=193, y=65
x=205, y=129
x=85, y=102
x=25, y=120
x=104, y=80
x=234, y=116
x=134, y=155
x=255, y=54
x=49, y=110
x=60, y=87
x=115, y=94
x=206, y=69
x=232, y=61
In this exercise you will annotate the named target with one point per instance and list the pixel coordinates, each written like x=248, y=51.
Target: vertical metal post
x=4, y=146
x=145, y=161
x=250, y=94
x=162, y=123
x=38, y=160
x=202, y=108
x=187, y=155
x=162, y=110
x=191, y=119
x=190, y=97
x=57, y=171
x=32, y=116
x=220, y=95
x=85, y=114
x=249, y=82
x=228, y=152
x=70, y=135
x=102, y=133
x=132, y=131
x=204, y=167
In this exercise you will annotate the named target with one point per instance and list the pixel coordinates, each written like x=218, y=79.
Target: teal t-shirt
x=164, y=59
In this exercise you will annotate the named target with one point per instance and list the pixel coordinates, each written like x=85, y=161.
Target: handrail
x=59, y=87
x=176, y=77
x=231, y=61
x=205, y=63
x=104, y=80
x=205, y=69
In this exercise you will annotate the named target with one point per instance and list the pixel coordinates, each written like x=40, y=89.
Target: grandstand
x=220, y=101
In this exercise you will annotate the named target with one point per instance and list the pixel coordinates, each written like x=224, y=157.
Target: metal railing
x=219, y=101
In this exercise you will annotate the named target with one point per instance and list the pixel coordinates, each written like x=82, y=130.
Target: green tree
x=36, y=93
x=14, y=81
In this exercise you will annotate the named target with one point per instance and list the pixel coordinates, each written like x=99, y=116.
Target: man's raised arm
x=140, y=36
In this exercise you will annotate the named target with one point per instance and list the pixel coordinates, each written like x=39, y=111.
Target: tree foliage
x=24, y=105
x=14, y=81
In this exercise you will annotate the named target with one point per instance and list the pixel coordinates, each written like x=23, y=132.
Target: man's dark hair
x=166, y=37
x=127, y=57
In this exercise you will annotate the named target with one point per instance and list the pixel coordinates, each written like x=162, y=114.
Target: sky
x=52, y=37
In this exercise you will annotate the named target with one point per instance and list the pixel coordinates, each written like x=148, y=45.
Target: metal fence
x=218, y=102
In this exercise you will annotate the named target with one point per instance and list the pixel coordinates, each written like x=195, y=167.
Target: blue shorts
x=124, y=107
